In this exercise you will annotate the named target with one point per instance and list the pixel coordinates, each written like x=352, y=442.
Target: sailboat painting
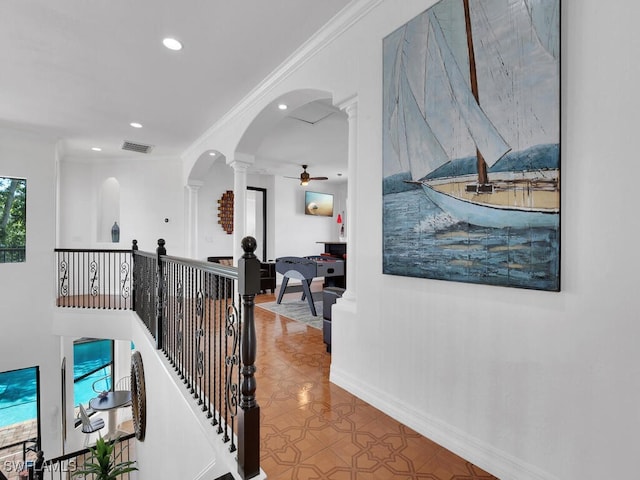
x=471, y=144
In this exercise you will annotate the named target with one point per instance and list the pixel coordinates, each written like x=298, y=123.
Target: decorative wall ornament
x=471, y=144
x=138, y=396
x=225, y=211
x=115, y=233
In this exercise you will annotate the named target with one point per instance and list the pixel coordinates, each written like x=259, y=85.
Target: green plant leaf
x=103, y=464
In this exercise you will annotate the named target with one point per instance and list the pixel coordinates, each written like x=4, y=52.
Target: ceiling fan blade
x=295, y=178
x=319, y=178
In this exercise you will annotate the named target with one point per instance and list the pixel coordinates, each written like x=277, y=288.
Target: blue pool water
x=18, y=387
x=17, y=396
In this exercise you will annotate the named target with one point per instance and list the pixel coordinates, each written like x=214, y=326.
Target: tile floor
x=312, y=429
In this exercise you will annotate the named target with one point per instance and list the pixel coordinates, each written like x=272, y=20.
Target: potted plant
x=103, y=463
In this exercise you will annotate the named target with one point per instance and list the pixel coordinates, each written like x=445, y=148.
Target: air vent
x=137, y=147
x=313, y=112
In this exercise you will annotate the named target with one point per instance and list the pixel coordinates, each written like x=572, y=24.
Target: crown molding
x=335, y=27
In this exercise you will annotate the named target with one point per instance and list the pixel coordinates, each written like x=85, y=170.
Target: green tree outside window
x=13, y=219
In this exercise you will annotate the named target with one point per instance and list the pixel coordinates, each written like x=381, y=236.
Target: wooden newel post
x=160, y=298
x=249, y=414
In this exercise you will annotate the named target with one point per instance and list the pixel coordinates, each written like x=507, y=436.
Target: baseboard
x=485, y=456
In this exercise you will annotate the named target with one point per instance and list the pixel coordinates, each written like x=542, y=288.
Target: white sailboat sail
x=545, y=17
x=424, y=151
x=485, y=136
x=395, y=127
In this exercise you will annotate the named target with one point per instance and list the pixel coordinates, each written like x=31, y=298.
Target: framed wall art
x=318, y=204
x=471, y=144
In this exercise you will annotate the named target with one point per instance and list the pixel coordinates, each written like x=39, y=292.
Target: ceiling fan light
x=304, y=183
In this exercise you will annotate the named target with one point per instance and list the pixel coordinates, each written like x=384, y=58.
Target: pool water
x=17, y=396
x=18, y=387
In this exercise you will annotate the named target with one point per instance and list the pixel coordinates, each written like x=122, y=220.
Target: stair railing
x=204, y=327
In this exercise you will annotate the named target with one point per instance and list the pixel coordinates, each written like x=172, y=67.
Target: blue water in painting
x=420, y=240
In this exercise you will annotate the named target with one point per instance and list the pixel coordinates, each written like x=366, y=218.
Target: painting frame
x=318, y=204
x=471, y=144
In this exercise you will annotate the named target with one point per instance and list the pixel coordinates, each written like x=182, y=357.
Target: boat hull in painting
x=512, y=206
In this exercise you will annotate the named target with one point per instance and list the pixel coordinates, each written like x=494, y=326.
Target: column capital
x=241, y=161
x=349, y=105
x=194, y=185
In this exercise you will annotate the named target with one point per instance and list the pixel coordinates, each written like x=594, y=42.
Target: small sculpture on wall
x=225, y=211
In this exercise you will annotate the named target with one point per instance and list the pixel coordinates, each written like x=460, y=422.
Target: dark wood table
x=110, y=402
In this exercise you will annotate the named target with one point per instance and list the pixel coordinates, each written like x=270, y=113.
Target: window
x=19, y=415
x=18, y=396
x=92, y=363
x=13, y=219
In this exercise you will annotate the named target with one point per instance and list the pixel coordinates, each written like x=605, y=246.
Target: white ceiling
x=82, y=70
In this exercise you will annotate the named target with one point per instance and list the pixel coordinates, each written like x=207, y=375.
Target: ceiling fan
x=305, y=178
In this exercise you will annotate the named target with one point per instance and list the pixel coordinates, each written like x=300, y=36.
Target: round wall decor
x=138, y=396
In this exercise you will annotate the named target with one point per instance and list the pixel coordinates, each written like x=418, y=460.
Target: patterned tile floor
x=312, y=429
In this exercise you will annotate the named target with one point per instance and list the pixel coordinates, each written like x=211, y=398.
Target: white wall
x=70, y=324
x=527, y=384
x=26, y=289
x=290, y=232
x=212, y=239
x=297, y=234
x=268, y=183
x=149, y=193
x=180, y=441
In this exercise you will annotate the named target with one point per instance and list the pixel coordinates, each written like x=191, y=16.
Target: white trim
x=340, y=23
x=485, y=456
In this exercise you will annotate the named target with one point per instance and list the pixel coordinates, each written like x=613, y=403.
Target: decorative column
x=192, y=218
x=240, y=165
x=350, y=107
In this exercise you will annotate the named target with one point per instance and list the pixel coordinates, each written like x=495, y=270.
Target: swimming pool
x=17, y=396
x=18, y=387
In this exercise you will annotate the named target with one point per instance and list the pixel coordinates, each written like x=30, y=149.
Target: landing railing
x=16, y=456
x=94, y=278
x=200, y=314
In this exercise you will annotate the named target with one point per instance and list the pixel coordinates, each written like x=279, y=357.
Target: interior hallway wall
x=149, y=193
x=26, y=289
x=526, y=384
x=212, y=239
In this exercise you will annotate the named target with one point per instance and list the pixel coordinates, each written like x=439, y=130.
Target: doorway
x=256, y=217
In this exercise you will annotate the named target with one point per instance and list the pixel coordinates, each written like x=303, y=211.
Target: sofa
x=329, y=297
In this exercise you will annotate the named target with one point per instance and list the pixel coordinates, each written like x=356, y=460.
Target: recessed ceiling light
x=282, y=106
x=172, y=43
x=136, y=125
x=96, y=149
x=213, y=154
